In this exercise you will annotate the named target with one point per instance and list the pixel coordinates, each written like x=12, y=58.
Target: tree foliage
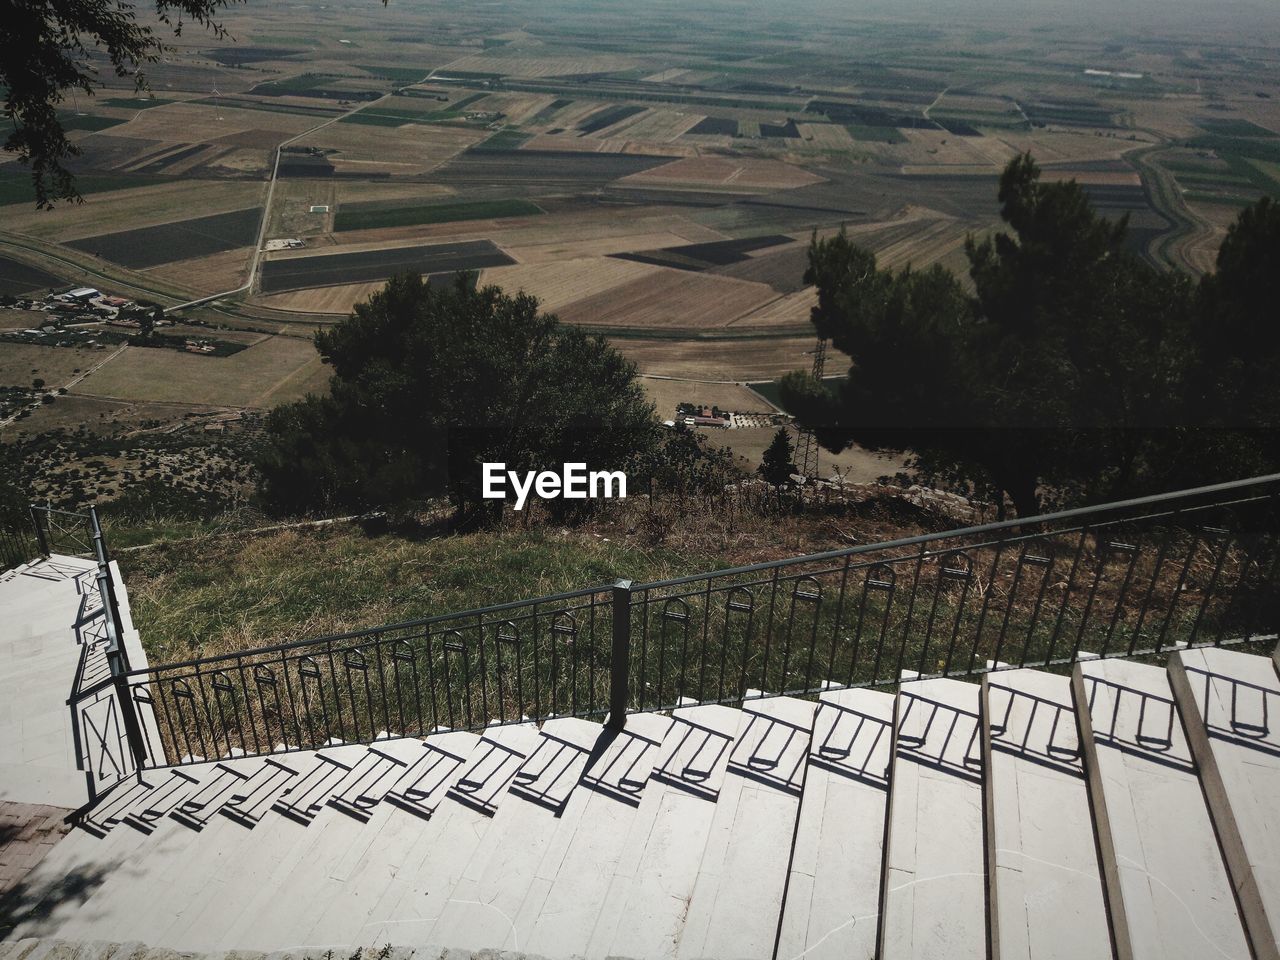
x=1233, y=395
x=48, y=47
x=777, y=465
x=430, y=383
x=1064, y=367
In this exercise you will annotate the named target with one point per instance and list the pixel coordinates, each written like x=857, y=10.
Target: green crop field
x=355, y=218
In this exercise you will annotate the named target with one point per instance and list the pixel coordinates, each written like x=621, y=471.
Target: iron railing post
x=620, y=663
x=42, y=535
x=117, y=655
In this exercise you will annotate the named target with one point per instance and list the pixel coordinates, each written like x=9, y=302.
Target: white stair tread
x=543, y=804
x=1231, y=704
x=1166, y=883
x=1046, y=887
x=573, y=883
x=737, y=900
x=832, y=904
x=644, y=906
x=427, y=871
x=934, y=900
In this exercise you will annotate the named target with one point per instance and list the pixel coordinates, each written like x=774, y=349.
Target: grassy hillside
x=215, y=595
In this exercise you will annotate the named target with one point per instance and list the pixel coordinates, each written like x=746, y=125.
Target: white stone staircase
x=1125, y=810
x=1130, y=810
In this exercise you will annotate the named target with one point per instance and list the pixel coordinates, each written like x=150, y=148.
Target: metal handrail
x=986, y=528
x=1124, y=579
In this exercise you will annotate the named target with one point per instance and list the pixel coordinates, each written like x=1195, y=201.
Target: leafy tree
x=777, y=465
x=1060, y=366
x=45, y=50
x=430, y=383
x=147, y=322
x=1233, y=397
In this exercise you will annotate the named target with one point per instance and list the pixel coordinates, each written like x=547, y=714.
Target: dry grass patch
x=20, y=363
x=739, y=360
x=737, y=172
x=213, y=274
x=140, y=207
x=670, y=298
x=560, y=283
x=258, y=376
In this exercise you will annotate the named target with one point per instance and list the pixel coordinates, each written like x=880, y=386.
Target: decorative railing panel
x=1132, y=579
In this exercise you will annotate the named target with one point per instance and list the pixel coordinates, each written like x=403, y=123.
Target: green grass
x=1254, y=149
x=225, y=594
x=404, y=216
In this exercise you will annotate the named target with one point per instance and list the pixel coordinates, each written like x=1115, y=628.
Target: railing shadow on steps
x=1247, y=711
x=1132, y=579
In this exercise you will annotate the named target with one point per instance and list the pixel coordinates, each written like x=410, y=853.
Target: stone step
x=1166, y=884
x=543, y=806
x=344, y=911
x=737, y=900
x=1046, y=899
x=183, y=823
x=424, y=874
x=934, y=895
x=113, y=839
x=1230, y=703
x=573, y=881
x=644, y=906
x=269, y=913
x=832, y=905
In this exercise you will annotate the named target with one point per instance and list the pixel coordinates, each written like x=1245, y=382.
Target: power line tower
x=806, y=445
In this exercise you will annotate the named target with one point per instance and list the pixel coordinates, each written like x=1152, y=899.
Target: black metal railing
x=67, y=533
x=501, y=664
x=108, y=726
x=1125, y=579
x=1128, y=579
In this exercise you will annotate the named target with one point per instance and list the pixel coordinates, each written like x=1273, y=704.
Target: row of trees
x=1067, y=369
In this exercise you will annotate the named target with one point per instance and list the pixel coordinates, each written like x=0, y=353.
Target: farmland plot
x=672, y=298
x=749, y=358
x=563, y=282
x=270, y=372
x=19, y=277
x=180, y=240
x=295, y=273
x=727, y=172
x=140, y=206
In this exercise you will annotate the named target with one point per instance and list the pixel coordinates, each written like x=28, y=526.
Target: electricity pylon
x=806, y=445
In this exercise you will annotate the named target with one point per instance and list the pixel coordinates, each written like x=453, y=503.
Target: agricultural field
x=375, y=214
x=273, y=371
x=19, y=277
x=652, y=172
x=296, y=273
x=181, y=240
